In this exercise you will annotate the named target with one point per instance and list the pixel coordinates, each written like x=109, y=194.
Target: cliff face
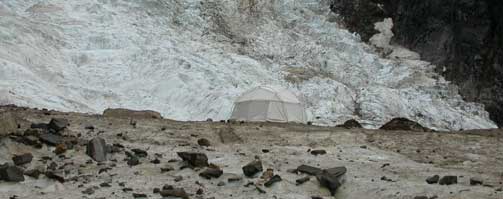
x=464, y=38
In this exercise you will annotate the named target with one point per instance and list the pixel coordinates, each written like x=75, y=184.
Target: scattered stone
x=39, y=126
x=274, y=179
x=126, y=113
x=51, y=139
x=265, y=151
x=194, y=159
x=56, y=175
x=252, y=168
x=58, y=124
x=133, y=161
x=199, y=191
x=89, y=127
x=211, y=173
x=167, y=169
x=155, y=161
x=318, y=152
x=11, y=173
x=174, y=192
x=140, y=153
x=234, y=178
x=204, y=142
x=433, y=179
x=221, y=183
x=330, y=178
x=448, y=180
x=403, y=124
x=22, y=159
x=384, y=178
x=309, y=170
x=351, y=124
x=34, y=173
x=178, y=178
x=139, y=195
x=156, y=190
x=97, y=149
x=127, y=189
x=228, y=136
x=363, y=147
x=476, y=181
x=88, y=191
x=302, y=180
x=30, y=140
x=260, y=190
x=421, y=197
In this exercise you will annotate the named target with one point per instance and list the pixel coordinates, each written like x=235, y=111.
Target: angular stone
x=330, y=178
x=97, y=149
x=140, y=153
x=274, y=179
x=174, y=192
x=34, y=173
x=476, y=181
x=433, y=179
x=22, y=159
x=252, y=168
x=194, y=159
x=302, y=180
x=11, y=173
x=318, y=152
x=39, y=126
x=58, y=124
x=203, y=142
x=211, y=173
x=50, y=139
x=448, y=180
x=309, y=170
x=139, y=195
x=133, y=161
x=56, y=175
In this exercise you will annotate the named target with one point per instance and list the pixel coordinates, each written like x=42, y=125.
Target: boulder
x=403, y=124
x=448, y=180
x=272, y=180
x=204, y=142
x=211, y=173
x=126, y=113
x=309, y=170
x=50, y=139
x=11, y=173
x=252, y=168
x=22, y=159
x=58, y=124
x=194, y=159
x=330, y=178
x=97, y=149
x=8, y=123
x=433, y=179
x=351, y=124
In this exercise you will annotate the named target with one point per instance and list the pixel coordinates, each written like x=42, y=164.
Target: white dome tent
x=269, y=103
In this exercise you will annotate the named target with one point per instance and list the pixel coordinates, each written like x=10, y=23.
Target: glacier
x=189, y=60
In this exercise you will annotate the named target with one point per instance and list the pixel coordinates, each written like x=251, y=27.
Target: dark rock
x=421, y=197
x=265, y=150
x=155, y=161
x=139, y=195
x=194, y=159
x=448, y=180
x=56, y=175
x=221, y=183
x=88, y=191
x=318, y=152
x=211, y=173
x=104, y=184
x=274, y=179
x=29, y=140
x=330, y=178
x=167, y=169
x=97, y=149
x=260, y=190
x=58, y=124
x=156, y=190
x=11, y=173
x=60, y=149
x=476, y=181
x=34, y=173
x=89, y=127
x=140, y=153
x=309, y=170
x=175, y=192
x=199, y=192
x=39, y=126
x=384, y=178
x=133, y=161
x=351, y=124
x=127, y=189
x=403, y=124
x=50, y=139
x=433, y=179
x=203, y=142
x=302, y=180
x=22, y=159
x=252, y=168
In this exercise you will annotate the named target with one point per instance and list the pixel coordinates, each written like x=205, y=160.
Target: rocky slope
x=189, y=60
x=463, y=38
x=73, y=155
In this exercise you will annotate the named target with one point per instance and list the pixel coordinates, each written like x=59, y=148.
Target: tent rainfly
x=268, y=103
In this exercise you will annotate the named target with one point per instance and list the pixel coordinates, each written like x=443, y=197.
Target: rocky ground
x=74, y=155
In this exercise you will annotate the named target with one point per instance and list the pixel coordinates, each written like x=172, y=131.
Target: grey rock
x=194, y=159
x=97, y=149
x=22, y=159
x=252, y=168
x=448, y=180
x=211, y=173
x=51, y=139
x=433, y=179
x=274, y=179
x=58, y=124
x=11, y=173
x=309, y=170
